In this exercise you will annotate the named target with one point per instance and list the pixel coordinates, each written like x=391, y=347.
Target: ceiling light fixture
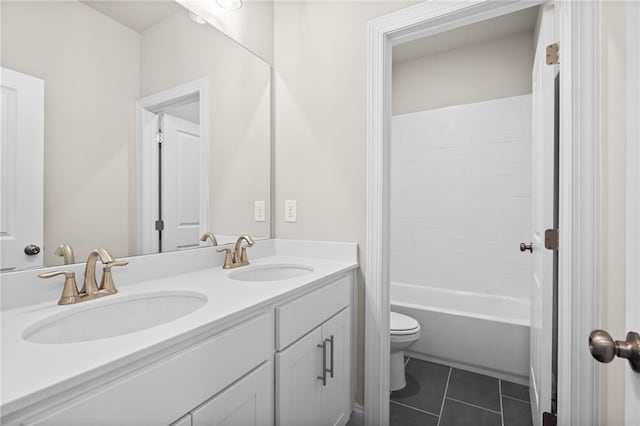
x=197, y=18
x=230, y=4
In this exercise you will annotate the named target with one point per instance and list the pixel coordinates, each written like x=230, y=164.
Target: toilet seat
x=400, y=325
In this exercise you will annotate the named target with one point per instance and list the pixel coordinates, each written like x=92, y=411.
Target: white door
x=336, y=408
x=298, y=389
x=541, y=338
x=22, y=162
x=181, y=183
x=248, y=403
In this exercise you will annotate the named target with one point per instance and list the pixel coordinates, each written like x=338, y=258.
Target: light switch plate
x=259, y=210
x=290, y=210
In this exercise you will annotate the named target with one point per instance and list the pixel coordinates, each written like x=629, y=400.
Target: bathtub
x=478, y=332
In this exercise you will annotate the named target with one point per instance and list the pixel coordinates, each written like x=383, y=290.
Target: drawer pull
x=324, y=363
x=331, y=340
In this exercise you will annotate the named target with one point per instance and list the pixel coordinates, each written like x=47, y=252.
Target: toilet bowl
x=404, y=331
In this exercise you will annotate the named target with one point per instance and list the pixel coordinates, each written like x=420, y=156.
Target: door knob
x=526, y=246
x=604, y=349
x=31, y=250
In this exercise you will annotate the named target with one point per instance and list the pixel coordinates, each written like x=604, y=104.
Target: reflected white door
x=22, y=159
x=541, y=339
x=181, y=186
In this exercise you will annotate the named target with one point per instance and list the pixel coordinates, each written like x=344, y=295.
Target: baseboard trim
x=521, y=380
x=357, y=416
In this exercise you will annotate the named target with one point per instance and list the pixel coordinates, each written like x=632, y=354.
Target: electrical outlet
x=290, y=210
x=259, y=211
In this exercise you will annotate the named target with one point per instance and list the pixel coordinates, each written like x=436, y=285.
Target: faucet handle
x=70, y=290
x=228, y=258
x=107, y=283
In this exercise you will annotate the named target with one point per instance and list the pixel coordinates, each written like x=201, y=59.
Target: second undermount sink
x=110, y=318
x=270, y=272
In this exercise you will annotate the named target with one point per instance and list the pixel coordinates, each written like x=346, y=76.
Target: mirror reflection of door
x=180, y=177
x=172, y=196
x=21, y=159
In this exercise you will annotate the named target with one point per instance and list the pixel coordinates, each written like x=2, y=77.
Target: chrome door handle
x=31, y=250
x=604, y=349
x=324, y=363
x=526, y=246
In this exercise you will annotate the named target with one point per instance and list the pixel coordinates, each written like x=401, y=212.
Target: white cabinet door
x=298, y=389
x=22, y=166
x=248, y=402
x=336, y=407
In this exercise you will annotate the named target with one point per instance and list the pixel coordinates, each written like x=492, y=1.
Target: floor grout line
x=501, y=408
x=414, y=408
x=516, y=399
x=473, y=405
x=444, y=396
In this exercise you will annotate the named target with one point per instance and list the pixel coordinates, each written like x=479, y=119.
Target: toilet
x=404, y=332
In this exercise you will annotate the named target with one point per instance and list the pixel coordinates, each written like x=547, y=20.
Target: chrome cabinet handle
x=324, y=363
x=331, y=340
x=526, y=246
x=604, y=349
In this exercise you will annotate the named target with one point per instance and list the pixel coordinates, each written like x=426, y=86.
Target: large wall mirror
x=133, y=126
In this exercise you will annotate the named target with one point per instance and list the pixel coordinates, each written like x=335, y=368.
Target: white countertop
x=34, y=371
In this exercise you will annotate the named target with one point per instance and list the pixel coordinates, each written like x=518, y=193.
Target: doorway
x=577, y=390
x=472, y=176
x=172, y=201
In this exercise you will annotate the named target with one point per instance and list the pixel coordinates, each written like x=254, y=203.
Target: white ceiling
x=137, y=15
x=502, y=26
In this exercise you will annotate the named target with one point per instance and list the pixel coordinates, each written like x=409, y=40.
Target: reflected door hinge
x=549, y=419
x=551, y=239
x=553, y=56
x=159, y=225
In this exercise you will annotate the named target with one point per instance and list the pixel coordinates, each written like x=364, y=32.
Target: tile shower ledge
x=32, y=372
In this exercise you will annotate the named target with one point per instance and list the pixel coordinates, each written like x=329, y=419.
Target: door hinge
x=553, y=56
x=551, y=239
x=159, y=137
x=549, y=419
x=159, y=225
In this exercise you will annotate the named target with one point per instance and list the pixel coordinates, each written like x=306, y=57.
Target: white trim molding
x=632, y=198
x=579, y=255
x=579, y=191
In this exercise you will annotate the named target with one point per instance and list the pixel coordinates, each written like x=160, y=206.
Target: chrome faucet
x=90, y=290
x=66, y=252
x=209, y=236
x=239, y=255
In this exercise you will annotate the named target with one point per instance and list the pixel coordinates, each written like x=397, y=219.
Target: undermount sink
x=270, y=272
x=114, y=318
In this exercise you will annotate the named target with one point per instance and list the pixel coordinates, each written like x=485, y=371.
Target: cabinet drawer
x=249, y=402
x=177, y=383
x=302, y=315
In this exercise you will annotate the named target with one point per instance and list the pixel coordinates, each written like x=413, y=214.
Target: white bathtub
x=478, y=332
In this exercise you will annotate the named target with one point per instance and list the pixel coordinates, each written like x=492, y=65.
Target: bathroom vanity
x=186, y=342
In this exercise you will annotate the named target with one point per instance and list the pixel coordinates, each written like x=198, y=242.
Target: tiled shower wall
x=461, y=197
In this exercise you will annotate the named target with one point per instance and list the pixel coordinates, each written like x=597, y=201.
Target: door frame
x=579, y=37
x=146, y=169
x=632, y=204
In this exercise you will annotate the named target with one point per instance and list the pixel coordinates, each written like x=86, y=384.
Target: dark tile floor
x=443, y=396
